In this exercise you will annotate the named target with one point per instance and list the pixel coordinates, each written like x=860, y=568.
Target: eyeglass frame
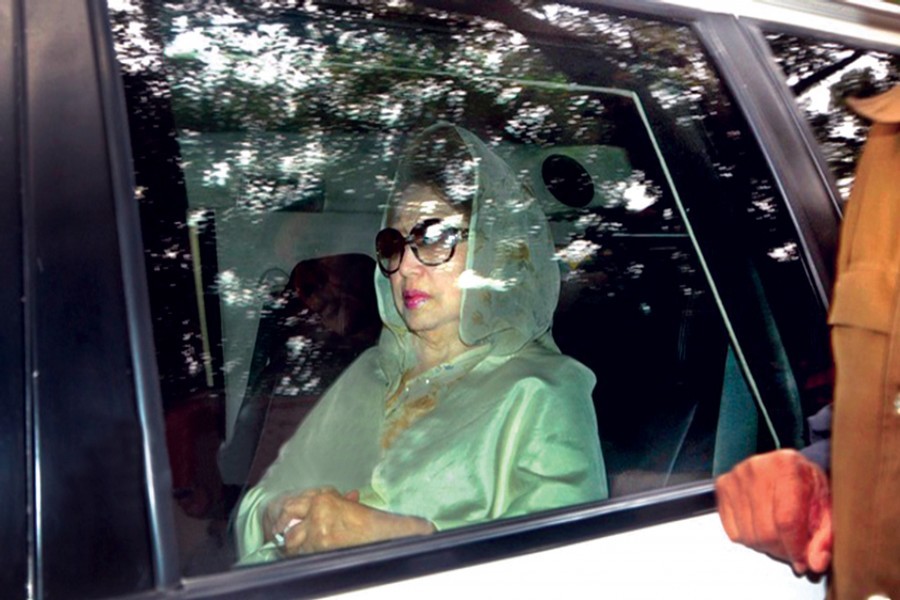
x=418, y=231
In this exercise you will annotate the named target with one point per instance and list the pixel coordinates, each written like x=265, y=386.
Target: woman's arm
x=336, y=445
x=552, y=449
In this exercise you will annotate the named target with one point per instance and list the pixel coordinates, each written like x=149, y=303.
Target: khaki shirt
x=865, y=319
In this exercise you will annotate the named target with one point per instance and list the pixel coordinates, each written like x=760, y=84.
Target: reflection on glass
x=267, y=138
x=822, y=75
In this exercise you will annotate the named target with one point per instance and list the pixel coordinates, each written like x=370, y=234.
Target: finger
x=796, y=501
x=762, y=533
x=294, y=509
x=300, y=502
x=271, y=514
x=756, y=523
x=790, y=531
x=319, y=525
x=738, y=495
x=771, y=540
x=818, y=557
x=280, y=537
x=311, y=492
x=295, y=538
x=276, y=506
x=725, y=501
x=352, y=496
x=818, y=554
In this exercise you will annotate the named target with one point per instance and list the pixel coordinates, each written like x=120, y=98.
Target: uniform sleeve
x=552, y=455
x=819, y=449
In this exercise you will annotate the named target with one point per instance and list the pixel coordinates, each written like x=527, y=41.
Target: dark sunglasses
x=432, y=241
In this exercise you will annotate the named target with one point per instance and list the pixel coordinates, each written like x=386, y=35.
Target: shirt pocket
x=864, y=297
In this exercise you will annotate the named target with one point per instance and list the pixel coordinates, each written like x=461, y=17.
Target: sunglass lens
x=434, y=241
x=389, y=244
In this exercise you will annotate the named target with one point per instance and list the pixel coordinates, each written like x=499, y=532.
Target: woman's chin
x=421, y=323
x=416, y=322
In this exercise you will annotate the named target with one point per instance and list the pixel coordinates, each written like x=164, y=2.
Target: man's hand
x=323, y=519
x=779, y=503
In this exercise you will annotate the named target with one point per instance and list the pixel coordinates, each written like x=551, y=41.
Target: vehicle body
x=718, y=227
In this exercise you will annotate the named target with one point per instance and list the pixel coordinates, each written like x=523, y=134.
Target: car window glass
x=266, y=137
x=822, y=75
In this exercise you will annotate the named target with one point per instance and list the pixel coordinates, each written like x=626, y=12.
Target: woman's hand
x=323, y=519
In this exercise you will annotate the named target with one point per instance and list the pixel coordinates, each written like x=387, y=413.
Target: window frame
x=14, y=351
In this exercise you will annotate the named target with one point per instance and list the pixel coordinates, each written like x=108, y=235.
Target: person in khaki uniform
x=865, y=336
x=781, y=502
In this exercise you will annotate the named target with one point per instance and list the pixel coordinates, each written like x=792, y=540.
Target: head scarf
x=511, y=281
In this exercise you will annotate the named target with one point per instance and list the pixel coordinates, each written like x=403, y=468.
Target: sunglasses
x=433, y=243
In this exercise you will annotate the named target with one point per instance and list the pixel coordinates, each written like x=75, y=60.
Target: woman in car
x=465, y=410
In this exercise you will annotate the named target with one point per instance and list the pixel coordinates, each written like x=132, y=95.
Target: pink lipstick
x=414, y=298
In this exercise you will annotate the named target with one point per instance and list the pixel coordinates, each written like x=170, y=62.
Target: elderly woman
x=465, y=411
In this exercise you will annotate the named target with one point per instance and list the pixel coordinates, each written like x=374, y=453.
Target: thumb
x=352, y=496
x=818, y=554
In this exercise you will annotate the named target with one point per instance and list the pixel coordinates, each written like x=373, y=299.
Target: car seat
x=309, y=333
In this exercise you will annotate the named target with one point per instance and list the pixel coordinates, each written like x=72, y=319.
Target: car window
x=822, y=74
x=265, y=140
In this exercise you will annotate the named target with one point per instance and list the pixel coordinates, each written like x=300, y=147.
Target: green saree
x=505, y=429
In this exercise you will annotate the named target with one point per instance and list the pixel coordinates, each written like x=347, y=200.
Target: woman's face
x=428, y=298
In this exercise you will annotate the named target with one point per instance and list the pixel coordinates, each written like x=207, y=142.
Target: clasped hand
x=779, y=503
x=324, y=519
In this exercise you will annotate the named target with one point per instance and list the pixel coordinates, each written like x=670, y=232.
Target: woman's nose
x=409, y=264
